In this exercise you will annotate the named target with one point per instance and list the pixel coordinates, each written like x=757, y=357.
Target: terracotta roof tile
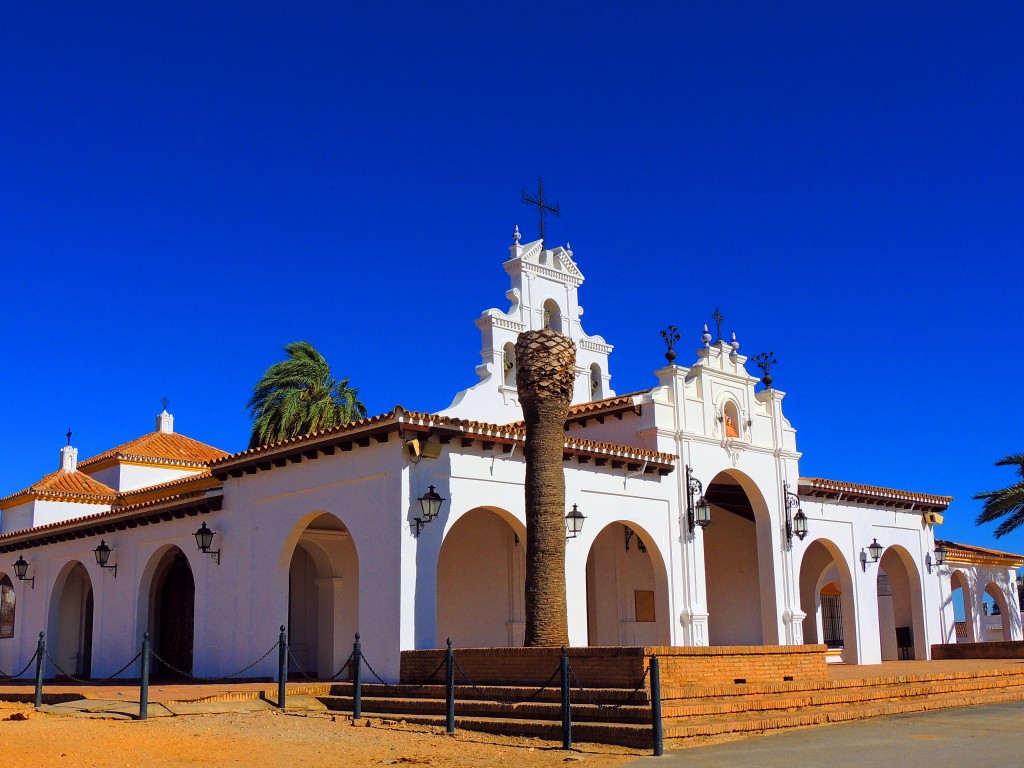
x=968, y=552
x=66, y=486
x=399, y=415
x=160, y=448
x=817, y=486
x=605, y=404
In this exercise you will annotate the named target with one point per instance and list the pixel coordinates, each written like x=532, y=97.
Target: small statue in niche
x=730, y=426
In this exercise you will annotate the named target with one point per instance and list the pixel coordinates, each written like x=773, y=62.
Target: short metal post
x=449, y=687
x=357, y=679
x=659, y=739
x=40, y=656
x=144, y=678
x=282, y=667
x=566, y=706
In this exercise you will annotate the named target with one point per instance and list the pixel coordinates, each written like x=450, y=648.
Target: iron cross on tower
x=717, y=317
x=542, y=205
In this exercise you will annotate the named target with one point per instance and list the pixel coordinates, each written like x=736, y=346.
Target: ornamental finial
x=516, y=236
x=671, y=336
x=734, y=344
x=765, y=361
x=706, y=336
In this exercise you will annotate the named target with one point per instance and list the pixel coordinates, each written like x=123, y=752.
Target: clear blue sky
x=186, y=188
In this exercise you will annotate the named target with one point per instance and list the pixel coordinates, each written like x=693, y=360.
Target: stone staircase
x=690, y=714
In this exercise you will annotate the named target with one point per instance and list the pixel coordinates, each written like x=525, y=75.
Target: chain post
x=282, y=667
x=657, y=734
x=144, y=662
x=449, y=687
x=40, y=656
x=357, y=679
x=566, y=706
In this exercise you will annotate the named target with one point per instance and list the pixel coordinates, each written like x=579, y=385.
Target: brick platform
x=994, y=650
x=623, y=667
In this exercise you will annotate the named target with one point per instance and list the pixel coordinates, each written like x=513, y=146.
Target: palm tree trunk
x=545, y=373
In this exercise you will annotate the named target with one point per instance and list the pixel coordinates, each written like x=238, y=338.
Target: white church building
x=698, y=529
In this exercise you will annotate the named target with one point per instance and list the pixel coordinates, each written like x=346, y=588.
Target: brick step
x=621, y=734
x=481, y=693
x=753, y=722
x=534, y=711
x=759, y=690
x=844, y=696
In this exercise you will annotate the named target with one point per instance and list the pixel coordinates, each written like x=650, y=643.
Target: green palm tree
x=1007, y=503
x=298, y=396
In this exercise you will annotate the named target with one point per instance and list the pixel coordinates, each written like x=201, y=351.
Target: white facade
x=321, y=533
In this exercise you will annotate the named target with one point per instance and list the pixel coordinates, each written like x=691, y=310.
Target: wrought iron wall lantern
x=698, y=510
x=430, y=506
x=102, y=553
x=875, y=549
x=630, y=535
x=939, y=559
x=796, y=523
x=204, y=540
x=20, y=569
x=574, y=522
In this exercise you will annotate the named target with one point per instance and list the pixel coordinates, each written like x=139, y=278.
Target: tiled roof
x=66, y=486
x=401, y=418
x=922, y=502
x=605, y=404
x=187, y=501
x=583, y=411
x=971, y=554
x=160, y=448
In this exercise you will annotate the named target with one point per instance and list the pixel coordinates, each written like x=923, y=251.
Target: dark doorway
x=175, y=617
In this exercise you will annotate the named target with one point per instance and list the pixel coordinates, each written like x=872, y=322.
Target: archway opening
x=172, y=614
x=963, y=613
x=323, y=598
x=997, y=623
x=627, y=589
x=70, y=622
x=481, y=581
x=738, y=565
x=7, y=606
x=826, y=596
x=900, y=607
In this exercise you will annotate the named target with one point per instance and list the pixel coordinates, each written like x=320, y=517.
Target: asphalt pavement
x=988, y=736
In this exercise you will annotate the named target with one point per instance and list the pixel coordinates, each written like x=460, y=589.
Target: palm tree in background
x=1007, y=503
x=298, y=396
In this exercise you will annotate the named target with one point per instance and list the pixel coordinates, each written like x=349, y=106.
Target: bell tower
x=543, y=294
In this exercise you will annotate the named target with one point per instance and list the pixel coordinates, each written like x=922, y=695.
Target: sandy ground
x=269, y=739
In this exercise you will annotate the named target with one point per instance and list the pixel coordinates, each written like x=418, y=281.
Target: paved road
x=986, y=736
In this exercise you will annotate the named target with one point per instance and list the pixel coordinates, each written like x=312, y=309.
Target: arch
x=627, y=588
x=508, y=364
x=596, y=382
x=323, y=594
x=70, y=621
x=167, y=599
x=826, y=596
x=997, y=629
x=553, y=316
x=900, y=606
x=481, y=580
x=963, y=629
x=730, y=419
x=739, y=563
x=8, y=604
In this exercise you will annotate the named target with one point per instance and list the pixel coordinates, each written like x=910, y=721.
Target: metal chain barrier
x=599, y=705
x=299, y=666
x=407, y=689
x=213, y=679
x=506, y=702
x=108, y=679
x=31, y=661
